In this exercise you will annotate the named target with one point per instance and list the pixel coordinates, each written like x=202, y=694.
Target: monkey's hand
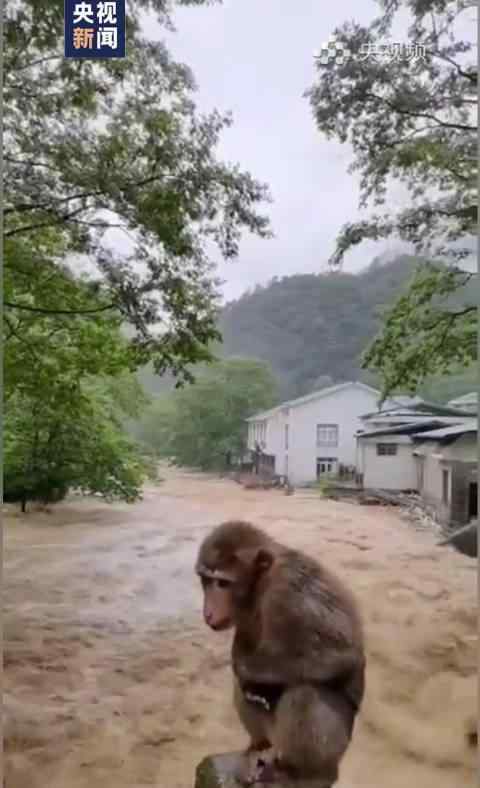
x=258, y=769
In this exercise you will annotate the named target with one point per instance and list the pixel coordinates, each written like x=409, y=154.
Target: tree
x=69, y=385
x=44, y=343
x=60, y=439
x=412, y=118
x=443, y=388
x=205, y=425
x=314, y=327
x=105, y=147
x=427, y=332
x=154, y=429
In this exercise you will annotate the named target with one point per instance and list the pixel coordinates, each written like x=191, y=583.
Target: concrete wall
x=343, y=408
x=459, y=460
x=387, y=472
x=431, y=489
x=274, y=437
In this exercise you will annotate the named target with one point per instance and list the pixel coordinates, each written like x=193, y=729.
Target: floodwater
x=112, y=681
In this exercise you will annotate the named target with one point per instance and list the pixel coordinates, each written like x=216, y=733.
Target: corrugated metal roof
x=410, y=428
x=419, y=410
x=451, y=431
x=465, y=400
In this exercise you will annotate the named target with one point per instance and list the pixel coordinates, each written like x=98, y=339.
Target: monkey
x=297, y=654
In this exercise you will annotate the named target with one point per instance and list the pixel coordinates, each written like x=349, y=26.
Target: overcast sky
x=256, y=58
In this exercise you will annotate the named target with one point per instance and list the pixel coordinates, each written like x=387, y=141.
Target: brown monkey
x=297, y=653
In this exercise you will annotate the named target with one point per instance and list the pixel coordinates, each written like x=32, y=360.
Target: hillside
x=311, y=326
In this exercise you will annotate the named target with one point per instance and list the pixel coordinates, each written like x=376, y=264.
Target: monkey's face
x=229, y=592
x=230, y=562
x=218, y=605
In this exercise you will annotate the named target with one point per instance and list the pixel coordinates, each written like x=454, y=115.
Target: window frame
x=387, y=453
x=333, y=443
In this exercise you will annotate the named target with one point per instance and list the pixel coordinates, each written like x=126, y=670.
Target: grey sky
x=255, y=58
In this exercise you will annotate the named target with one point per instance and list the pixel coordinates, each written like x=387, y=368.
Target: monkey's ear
x=256, y=558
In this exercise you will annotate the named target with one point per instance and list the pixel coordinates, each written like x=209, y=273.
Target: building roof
x=467, y=400
x=410, y=429
x=420, y=410
x=326, y=392
x=264, y=414
x=455, y=431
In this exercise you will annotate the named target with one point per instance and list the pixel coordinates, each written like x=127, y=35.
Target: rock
x=218, y=771
x=465, y=540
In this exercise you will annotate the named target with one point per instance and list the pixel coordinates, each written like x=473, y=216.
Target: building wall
x=387, y=472
x=431, y=489
x=462, y=474
x=274, y=437
x=459, y=460
x=343, y=408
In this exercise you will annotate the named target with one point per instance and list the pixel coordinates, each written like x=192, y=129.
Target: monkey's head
x=231, y=561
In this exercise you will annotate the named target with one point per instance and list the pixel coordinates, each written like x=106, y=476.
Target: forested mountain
x=313, y=327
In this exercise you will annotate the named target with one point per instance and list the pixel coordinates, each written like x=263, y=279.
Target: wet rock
x=465, y=540
x=218, y=771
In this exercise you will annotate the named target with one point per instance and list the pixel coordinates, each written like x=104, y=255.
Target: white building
x=314, y=435
x=385, y=444
x=447, y=471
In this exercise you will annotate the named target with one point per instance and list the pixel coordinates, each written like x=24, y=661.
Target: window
x=286, y=437
x=327, y=434
x=445, y=480
x=386, y=449
x=259, y=431
x=326, y=466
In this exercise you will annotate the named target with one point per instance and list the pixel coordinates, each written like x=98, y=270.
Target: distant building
x=447, y=471
x=384, y=457
x=427, y=448
x=313, y=436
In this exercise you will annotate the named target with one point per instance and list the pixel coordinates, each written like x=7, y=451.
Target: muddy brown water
x=111, y=681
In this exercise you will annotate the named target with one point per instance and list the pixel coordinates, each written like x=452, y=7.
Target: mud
x=111, y=681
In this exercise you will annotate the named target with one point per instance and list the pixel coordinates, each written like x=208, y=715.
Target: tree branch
x=39, y=61
x=426, y=115
x=472, y=76
x=43, y=311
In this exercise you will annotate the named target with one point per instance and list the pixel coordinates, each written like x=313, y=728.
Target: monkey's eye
x=222, y=583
